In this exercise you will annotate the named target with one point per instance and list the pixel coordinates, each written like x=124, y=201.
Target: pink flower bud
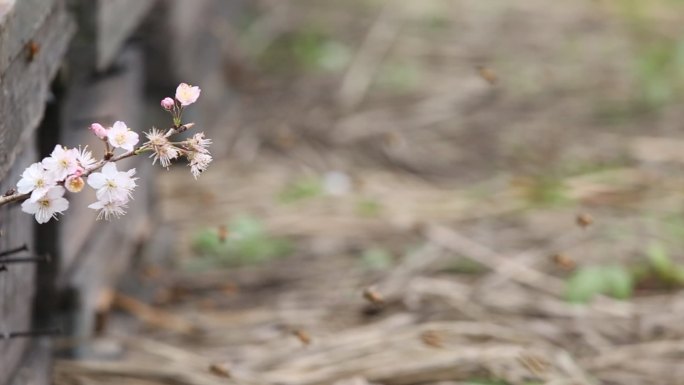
x=98, y=130
x=167, y=103
x=74, y=183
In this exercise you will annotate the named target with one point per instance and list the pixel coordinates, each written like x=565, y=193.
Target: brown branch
x=7, y=199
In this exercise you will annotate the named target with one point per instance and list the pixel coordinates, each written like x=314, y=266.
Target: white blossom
x=198, y=143
x=187, y=94
x=162, y=150
x=198, y=163
x=120, y=136
x=61, y=162
x=35, y=180
x=48, y=206
x=109, y=209
x=111, y=184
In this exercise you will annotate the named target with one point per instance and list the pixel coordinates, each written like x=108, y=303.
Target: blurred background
x=413, y=192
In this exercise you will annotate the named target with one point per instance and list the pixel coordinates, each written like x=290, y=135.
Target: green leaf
x=377, y=258
x=302, y=189
x=660, y=260
x=248, y=243
x=466, y=266
x=678, y=275
x=585, y=283
x=618, y=281
x=368, y=208
x=245, y=226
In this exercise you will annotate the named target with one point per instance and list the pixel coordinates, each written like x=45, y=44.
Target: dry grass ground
x=443, y=175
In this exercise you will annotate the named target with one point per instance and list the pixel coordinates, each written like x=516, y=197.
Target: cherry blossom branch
x=16, y=197
x=43, y=185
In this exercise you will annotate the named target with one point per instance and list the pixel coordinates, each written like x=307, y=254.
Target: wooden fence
x=63, y=65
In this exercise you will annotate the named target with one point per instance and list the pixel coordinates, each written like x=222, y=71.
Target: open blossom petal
x=187, y=94
x=109, y=209
x=126, y=181
x=111, y=184
x=120, y=136
x=85, y=158
x=61, y=162
x=35, y=180
x=48, y=206
x=98, y=180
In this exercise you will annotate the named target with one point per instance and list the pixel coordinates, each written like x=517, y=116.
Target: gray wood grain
x=117, y=20
x=116, y=96
x=17, y=283
x=35, y=368
x=95, y=253
x=19, y=21
x=104, y=27
x=24, y=90
x=24, y=85
x=105, y=257
x=185, y=42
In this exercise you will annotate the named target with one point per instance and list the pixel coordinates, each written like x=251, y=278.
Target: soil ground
x=419, y=192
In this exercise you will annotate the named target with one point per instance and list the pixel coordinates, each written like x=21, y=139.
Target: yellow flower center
x=76, y=184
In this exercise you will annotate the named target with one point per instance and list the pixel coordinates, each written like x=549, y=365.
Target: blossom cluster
x=44, y=184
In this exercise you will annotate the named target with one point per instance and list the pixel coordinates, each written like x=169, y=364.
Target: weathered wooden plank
x=17, y=283
x=117, y=20
x=106, y=256
x=94, y=253
x=35, y=368
x=24, y=83
x=118, y=95
x=19, y=21
x=24, y=87
x=185, y=42
x=181, y=33
x=104, y=26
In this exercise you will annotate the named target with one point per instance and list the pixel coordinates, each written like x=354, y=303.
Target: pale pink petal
x=97, y=180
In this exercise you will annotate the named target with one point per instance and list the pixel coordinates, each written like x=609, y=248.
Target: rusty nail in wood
x=40, y=259
x=31, y=333
x=19, y=249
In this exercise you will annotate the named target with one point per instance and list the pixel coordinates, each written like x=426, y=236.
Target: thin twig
x=375, y=47
x=458, y=243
